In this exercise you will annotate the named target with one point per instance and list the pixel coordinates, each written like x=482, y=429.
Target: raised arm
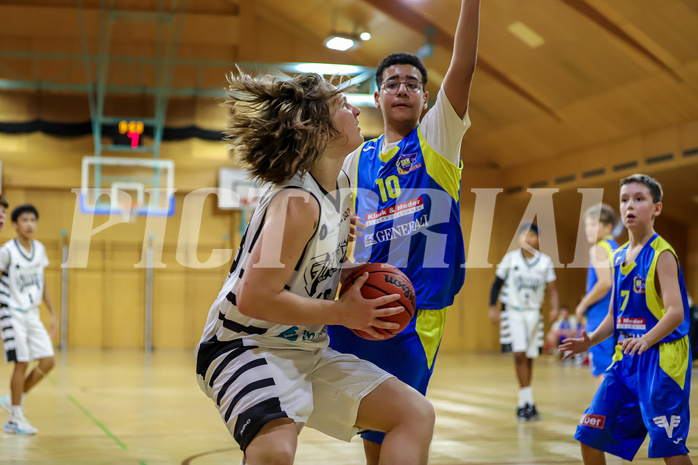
x=462, y=68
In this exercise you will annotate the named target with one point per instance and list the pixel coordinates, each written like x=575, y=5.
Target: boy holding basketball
x=263, y=357
x=525, y=275
x=598, y=224
x=414, y=170
x=24, y=337
x=647, y=388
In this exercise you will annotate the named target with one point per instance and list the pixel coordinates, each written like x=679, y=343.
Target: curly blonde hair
x=278, y=128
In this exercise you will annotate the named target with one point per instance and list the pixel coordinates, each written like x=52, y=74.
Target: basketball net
x=129, y=211
x=249, y=203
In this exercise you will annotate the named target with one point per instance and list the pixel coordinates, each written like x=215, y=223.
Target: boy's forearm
x=48, y=301
x=460, y=72
x=466, y=36
x=554, y=300
x=665, y=326
x=596, y=293
x=603, y=332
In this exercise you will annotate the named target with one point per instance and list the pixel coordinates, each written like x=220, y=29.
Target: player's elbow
x=248, y=303
x=675, y=315
x=244, y=308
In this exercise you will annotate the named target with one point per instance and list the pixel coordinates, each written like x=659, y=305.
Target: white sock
x=16, y=410
x=24, y=395
x=525, y=396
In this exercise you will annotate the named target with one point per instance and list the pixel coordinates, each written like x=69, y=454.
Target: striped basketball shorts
x=521, y=331
x=24, y=337
x=252, y=385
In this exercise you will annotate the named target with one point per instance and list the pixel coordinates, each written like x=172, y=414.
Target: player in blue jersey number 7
x=407, y=192
x=647, y=388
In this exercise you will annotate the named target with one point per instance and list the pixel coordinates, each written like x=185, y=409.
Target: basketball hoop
x=237, y=191
x=129, y=211
x=123, y=180
x=249, y=203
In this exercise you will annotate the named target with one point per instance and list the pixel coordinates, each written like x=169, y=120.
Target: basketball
x=384, y=279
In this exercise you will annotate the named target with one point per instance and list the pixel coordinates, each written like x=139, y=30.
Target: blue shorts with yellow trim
x=640, y=394
x=409, y=355
x=601, y=356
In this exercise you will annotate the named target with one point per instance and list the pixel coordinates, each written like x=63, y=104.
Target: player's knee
x=21, y=367
x=417, y=420
x=420, y=415
x=428, y=416
x=520, y=358
x=46, y=364
x=591, y=455
x=279, y=453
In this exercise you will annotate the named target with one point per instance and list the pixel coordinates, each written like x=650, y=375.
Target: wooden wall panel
x=170, y=322
x=201, y=292
x=86, y=309
x=127, y=313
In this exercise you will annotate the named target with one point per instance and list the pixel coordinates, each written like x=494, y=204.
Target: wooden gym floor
x=128, y=408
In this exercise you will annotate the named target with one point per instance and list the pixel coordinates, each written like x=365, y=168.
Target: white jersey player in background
x=526, y=274
x=4, y=205
x=24, y=337
x=264, y=357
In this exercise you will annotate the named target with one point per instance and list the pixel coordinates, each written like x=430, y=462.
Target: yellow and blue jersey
x=637, y=307
x=649, y=392
x=409, y=199
x=597, y=311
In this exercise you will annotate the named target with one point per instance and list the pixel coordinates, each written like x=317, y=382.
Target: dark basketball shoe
x=521, y=413
x=531, y=413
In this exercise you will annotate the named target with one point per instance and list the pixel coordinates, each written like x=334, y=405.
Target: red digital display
x=132, y=129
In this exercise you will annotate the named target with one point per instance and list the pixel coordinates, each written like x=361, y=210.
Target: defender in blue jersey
x=647, y=388
x=598, y=224
x=407, y=192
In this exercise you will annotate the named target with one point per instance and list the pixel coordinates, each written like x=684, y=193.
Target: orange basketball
x=384, y=279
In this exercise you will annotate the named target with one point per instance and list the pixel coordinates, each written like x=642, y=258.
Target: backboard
x=127, y=186
x=236, y=191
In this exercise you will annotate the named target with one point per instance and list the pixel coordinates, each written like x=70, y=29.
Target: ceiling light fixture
x=327, y=68
x=361, y=100
x=526, y=34
x=342, y=42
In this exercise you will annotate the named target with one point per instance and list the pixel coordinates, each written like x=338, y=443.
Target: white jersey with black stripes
x=525, y=279
x=316, y=275
x=22, y=280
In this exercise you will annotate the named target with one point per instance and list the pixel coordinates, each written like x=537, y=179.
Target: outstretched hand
x=571, y=346
x=358, y=312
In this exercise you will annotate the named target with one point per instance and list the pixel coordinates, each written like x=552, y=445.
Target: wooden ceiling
x=605, y=71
